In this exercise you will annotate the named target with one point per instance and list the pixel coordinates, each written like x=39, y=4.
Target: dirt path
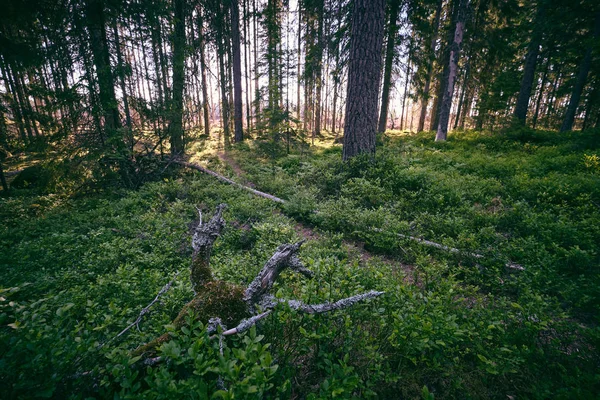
x=224, y=157
x=355, y=249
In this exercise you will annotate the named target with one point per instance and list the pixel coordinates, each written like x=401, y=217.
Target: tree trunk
x=364, y=72
x=389, y=62
x=529, y=69
x=121, y=74
x=246, y=63
x=238, y=135
x=584, y=69
x=442, y=130
x=425, y=100
x=106, y=84
x=176, y=106
x=541, y=93
x=203, y=68
x=445, y=60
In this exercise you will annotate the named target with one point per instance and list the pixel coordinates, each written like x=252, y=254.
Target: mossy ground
x=76, y=271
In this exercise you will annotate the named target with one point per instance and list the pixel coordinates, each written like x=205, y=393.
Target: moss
x=215, y=299
x=201, y=273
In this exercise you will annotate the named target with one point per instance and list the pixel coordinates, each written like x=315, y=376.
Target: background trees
x=123, y=76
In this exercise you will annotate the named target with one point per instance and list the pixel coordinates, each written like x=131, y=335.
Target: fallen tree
x=224, y=304
x=424, y=242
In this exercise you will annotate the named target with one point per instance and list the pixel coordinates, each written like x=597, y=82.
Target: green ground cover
x=76, y=271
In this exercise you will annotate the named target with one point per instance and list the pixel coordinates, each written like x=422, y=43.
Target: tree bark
x=442, y=130
x=238, y=135
x=364, y=72
x=529, y=69
x=584, y=69
x=389, y=62
x=425, y=100
x=106, y=84
x=176, y=106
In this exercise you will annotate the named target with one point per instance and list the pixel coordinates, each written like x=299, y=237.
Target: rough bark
x=584, y=69
x=529, y=69
x=238, y=134
x=204, y=236
x=98, y=41
x=425, y=100
x=176, y=107
x=442, y=130
x=203, y=73
x=389, y=62
x=364, y=71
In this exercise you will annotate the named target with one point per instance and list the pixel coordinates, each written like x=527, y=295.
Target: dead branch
x=284, y=257
x=202, y=242
x=229, y=181
x=144, y=311
x=337, y=305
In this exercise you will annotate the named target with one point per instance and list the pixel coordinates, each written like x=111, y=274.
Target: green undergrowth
x=76, y=272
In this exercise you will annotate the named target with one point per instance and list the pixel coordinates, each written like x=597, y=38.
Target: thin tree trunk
x=540, y=93
x=237, y=73
x=584, y=69
x=405, y=94
x=529, y=69
x=463, y=91
x=122, y=75
x=203, y=68
x=101, y=56
x=445, y=60
x=425, y=100
x=176, y=105
x=442, y=131
x=389, y=62
x=246, y=63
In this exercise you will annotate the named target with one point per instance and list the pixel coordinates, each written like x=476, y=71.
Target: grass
x=76, y=271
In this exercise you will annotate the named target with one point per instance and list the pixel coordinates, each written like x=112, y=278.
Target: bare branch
x=144, y=311
x=338, y=305
x=284, y=257
x=246, y=324
x=229, y=181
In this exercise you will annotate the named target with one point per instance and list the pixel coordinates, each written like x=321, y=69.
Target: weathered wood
x=229, y=181
x=202, y=242
x=285, y=257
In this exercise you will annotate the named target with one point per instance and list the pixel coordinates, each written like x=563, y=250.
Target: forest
x=300, y=199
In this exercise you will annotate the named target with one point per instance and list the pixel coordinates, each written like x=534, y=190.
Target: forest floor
x=76, y=270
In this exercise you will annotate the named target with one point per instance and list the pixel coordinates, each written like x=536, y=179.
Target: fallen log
x=508, y=265
x=229, y=181
x=222, y=303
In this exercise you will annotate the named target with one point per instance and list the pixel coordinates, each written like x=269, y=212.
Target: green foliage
x=75, y=272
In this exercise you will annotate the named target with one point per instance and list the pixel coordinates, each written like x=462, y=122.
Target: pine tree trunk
x=444, y=115
x=445, y=60
x=389, y=62
x=238, y=135
x=584, y=69
x=122, y=75
x=176, y=104
x=256, y=70
x=203, y=68
x=405, y=94
x=100, y=52
x=529, y=69
x=540, y=93
x=425, y=100
x=364, y=72
x=246, y=64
